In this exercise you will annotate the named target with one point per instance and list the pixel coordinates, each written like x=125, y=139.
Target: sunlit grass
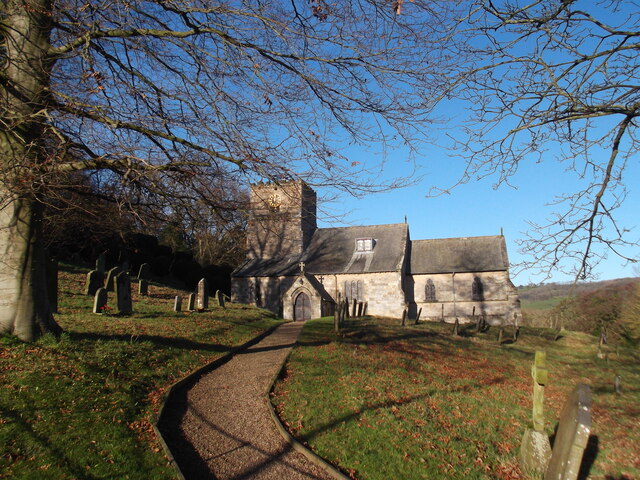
x=382, y=401
x=82, y=406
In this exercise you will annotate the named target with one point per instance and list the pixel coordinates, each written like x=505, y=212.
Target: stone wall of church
x=466, y=296
x=382, y=291
x=263, y=292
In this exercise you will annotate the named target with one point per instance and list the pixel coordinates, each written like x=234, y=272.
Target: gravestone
x=52, y=283
x=404, y=316
x=354, y=310
x=100, y=300
x=95, y=280
x=221, y=300
x=111, y=275
x=364, y=310
x=122, y=284
x=516, y=334
x=143, y=287
x=540, y=376
x=101, y=262
x=203, y=295
x=456, y=327
x=191, y=303
x=418, y=315
x=177, y=304
x=144, y=272
x=572, y=436
x=500, y=334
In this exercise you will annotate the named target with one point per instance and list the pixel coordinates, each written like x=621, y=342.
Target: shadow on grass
x=165, y=342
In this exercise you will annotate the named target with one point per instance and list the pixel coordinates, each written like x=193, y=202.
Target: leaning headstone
x=111, y=275
x=203, y=295
x=123, y=293
x=364, y=310
x=500, y=335
x=572, y=437
x=418, y=316
x=52, y=283
x=456, y=327
x=143, y=287
x=144, y=272
x=100, y=300
x=191, y=303
x=535, y=450
x=95, y=280
x=177, y=304
x=404, y=316
x=360, y=309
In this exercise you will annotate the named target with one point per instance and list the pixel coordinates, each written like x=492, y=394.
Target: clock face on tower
x=274, y=200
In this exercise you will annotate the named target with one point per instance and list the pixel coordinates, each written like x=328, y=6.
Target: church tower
x=282, y=219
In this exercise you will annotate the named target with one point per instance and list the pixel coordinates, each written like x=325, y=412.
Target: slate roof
x=464, y=254
x=332, y=251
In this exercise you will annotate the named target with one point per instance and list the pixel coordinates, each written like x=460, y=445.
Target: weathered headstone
x=618, y=385
x=456, y=327
x=360, y=308
x=572, y=436
x=101, y=262
x=122, y=284
x=52, y=284
x=191, y=303
x=540, y=376
x=143, y=287
x=95, y=280
x=203, y=295
x=177, y=304
x=221, y=300
x=364, y=310
x=100, y=300
x=535, y=450
x=516, y=334
x=404, y=316
x=144, y=272
x=500, y=335
x=111, y=275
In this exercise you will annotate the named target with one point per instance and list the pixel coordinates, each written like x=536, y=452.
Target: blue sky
x=477, y=209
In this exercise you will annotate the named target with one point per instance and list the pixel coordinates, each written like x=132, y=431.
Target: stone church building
x=298, y=271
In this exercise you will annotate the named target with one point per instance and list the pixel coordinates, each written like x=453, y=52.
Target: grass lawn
x=82, y=406
x=386, y=402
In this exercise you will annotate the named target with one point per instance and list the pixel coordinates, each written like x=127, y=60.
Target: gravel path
x=221, y=428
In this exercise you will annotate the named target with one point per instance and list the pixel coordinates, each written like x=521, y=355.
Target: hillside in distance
x=549, y=291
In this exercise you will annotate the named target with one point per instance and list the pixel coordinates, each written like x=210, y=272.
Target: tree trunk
x=24, y=303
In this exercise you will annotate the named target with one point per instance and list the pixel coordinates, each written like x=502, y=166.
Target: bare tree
x=152, y=94
x=547, y=75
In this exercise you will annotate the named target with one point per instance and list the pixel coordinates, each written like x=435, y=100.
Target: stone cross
x=540, y=375
x=572, y=437
x=301, y=265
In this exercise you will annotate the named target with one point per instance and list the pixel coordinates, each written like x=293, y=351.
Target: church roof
x=333, y=251
x=464, y=254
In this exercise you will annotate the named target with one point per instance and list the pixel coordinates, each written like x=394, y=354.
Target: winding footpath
x=221, y=427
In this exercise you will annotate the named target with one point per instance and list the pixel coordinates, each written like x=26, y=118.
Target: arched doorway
x=302, y=307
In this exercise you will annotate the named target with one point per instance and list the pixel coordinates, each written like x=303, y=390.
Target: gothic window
x=360, y=296
x=430, y=291
x=347, y=290
x=354, y=290
x=477, y=290
x=364, y=244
